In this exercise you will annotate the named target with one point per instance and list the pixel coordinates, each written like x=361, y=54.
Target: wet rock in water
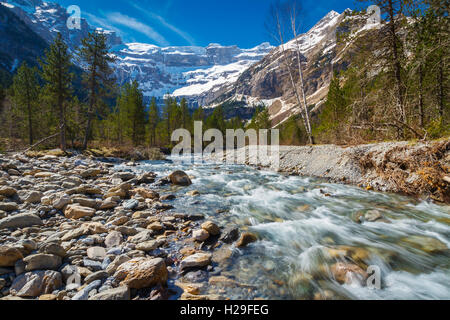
x=141, y=273
x=83, y=294
x=96, y=253
x=23, y=220
x=222, y=281
x=427, y=244
x=117, y=294
x=180, y=178
x=245, y=239
x=193, y=193
x=196, y=276
x=76, y=212
x=34, y=197
x=8, y=192
x=347, y=273
x=211, y=228
x=113, y=239
x=197, y=260
x=9, y=256
x=230, y=235
x=373, y=215
x=191, y=288
x=168, y=197
x=42, y=261
x=200, y=235
x=8, y=206
x=221, y=255
x=35, y=284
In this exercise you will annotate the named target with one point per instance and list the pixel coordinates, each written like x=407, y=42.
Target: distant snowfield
x=184, y=71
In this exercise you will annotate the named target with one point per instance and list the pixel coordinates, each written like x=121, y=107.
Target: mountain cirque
x=81, y=239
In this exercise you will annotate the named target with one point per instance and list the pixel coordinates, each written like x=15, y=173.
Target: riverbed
x=305, y=226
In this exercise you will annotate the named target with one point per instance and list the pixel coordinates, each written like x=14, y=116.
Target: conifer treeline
x=42, y=103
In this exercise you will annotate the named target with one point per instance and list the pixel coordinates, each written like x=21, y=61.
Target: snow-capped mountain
x=185, y=71
x=180, y=71
x=267, y=82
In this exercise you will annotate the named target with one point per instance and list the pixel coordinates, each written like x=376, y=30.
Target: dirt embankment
x=419, y=169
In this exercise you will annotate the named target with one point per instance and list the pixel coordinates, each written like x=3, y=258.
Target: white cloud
x=134, y=24
x=101, y=22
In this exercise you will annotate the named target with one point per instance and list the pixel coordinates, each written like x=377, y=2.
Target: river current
x=306, y=225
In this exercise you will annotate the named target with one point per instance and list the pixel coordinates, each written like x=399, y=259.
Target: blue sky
x=195, y=22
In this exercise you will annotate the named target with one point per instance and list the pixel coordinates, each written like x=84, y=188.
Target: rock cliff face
x=18, y=42
x=267, y=81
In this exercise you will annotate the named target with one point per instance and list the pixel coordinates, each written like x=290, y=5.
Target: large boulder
x=34, y=284
x=75, y=212
x=23, y=220
x=142, y=273
x=9, y=256
x=180, y=178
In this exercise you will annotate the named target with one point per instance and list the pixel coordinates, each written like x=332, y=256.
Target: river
x=307, y=225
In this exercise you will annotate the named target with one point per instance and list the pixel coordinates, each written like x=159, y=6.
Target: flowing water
x=306, y=225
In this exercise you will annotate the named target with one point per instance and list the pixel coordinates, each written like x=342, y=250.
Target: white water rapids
x=299, y=220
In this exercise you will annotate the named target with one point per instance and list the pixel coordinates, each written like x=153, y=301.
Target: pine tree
x=94, y=54
x=58, y=81
x=153, y=120
x=26, y=93
x=185, y=115
x=132, y=112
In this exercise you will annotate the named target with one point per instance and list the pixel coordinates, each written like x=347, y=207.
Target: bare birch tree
x=282, y=24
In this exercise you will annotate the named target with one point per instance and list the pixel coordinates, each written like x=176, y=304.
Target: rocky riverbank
x=415, y=169
x=74, y=228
